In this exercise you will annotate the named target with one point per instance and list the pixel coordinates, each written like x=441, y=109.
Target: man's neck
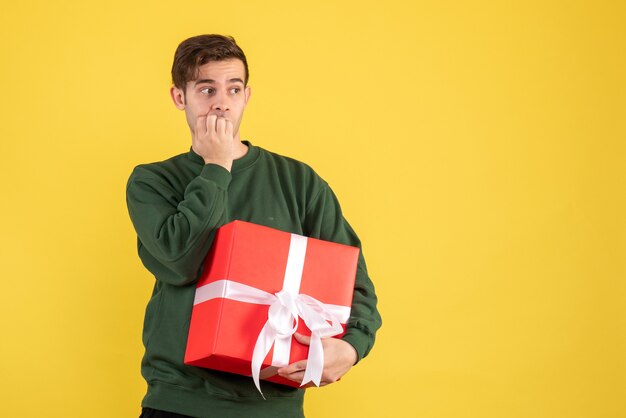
x=239, y=149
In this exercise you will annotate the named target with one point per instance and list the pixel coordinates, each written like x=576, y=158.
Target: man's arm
x=177, y=233
x=324, y=220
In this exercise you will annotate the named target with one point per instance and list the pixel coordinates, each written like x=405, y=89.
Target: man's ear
x=178, y=96
x=247, y=92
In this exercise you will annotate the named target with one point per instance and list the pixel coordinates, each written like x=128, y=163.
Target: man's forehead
x=224, y=71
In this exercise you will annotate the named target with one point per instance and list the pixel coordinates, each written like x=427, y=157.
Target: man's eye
x=235, y=90
x=207, y=91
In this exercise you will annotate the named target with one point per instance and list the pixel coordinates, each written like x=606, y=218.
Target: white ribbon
x=286, y=306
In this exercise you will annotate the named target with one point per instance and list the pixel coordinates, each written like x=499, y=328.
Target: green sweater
x=175, y=206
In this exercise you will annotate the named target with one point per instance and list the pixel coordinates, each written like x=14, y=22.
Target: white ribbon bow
x=282, y=323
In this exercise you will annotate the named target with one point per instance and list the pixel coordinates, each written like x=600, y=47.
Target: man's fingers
x=296, y=377
x=302, y=339
x=201, y=125
x=220, y=126
x=210, y=123
x=229, y=129
x=298, y=366
x=211, y=142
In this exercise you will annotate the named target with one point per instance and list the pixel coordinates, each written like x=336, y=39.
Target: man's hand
x=339, y=357
x=213, y=140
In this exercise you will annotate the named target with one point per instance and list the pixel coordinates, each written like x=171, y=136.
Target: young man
x=176, y=206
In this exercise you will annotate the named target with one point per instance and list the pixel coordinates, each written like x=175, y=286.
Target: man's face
x=218, y=90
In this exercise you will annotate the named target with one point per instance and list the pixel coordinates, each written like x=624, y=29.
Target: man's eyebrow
x=209, y=81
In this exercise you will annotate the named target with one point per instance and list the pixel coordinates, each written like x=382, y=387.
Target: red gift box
x=259, y=285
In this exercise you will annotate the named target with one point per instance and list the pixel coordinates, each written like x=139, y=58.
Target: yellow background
x=476, y=147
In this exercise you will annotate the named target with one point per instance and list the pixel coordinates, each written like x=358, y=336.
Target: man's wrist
x=352, y=351
x=228, y=165
x=217, y=174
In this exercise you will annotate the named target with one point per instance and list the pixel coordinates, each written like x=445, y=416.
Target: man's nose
x=221, y=105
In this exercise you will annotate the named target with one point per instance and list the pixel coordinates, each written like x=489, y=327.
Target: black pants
x=155, y=413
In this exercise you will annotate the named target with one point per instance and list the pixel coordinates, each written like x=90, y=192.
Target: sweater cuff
x=218, y=174
x=359, y=340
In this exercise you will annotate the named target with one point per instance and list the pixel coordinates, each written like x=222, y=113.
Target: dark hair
x=198, y=50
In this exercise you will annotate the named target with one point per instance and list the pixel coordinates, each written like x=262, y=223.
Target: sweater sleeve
x=175, y=232
x=324, y=220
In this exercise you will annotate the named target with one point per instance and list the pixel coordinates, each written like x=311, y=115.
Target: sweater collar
x=239, y=164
